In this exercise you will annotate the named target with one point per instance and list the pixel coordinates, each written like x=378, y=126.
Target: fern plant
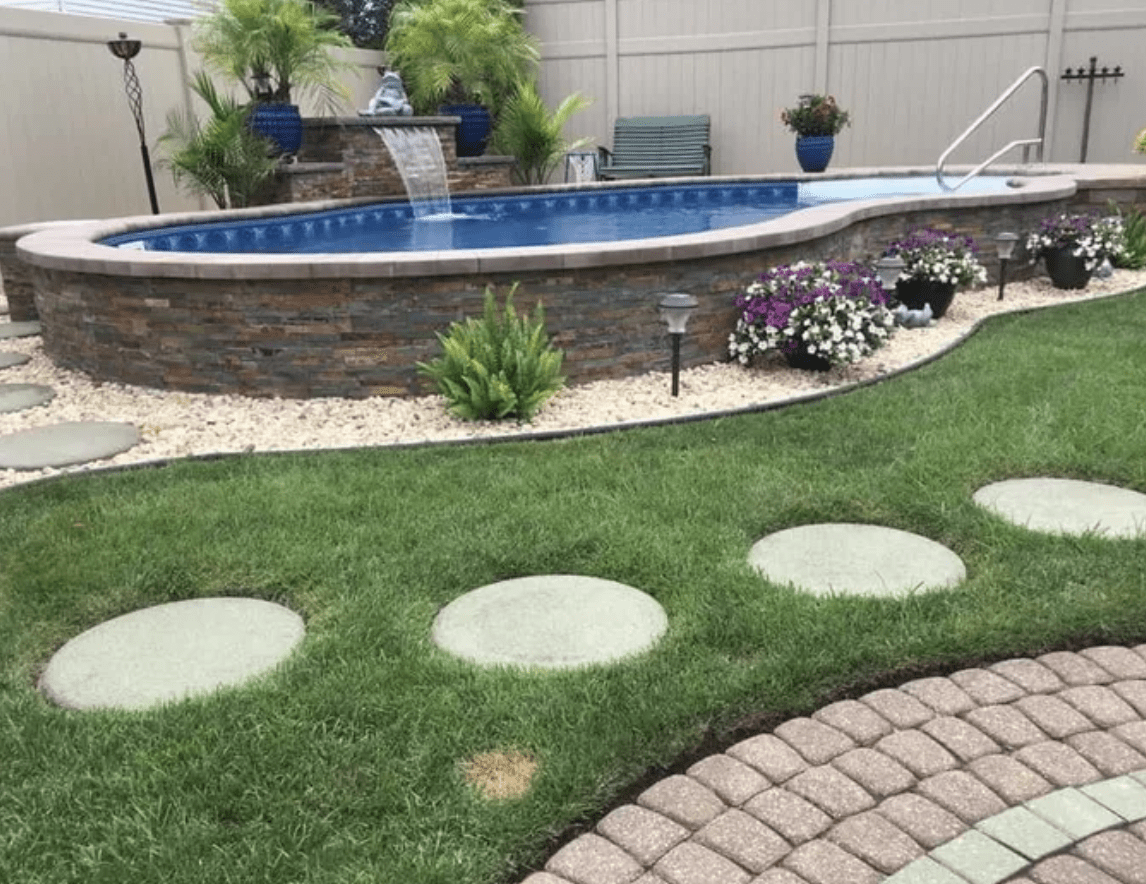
x=499, y=366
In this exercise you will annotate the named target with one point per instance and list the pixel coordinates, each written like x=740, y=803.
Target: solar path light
x=675, y=309
x=1005, y=246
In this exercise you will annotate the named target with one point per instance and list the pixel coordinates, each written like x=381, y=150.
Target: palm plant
x=273, y=47
x=221, y=158
x=460, y=52
x=534, y=136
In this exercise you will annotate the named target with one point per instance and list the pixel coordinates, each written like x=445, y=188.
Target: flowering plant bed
x=935, y=256
x=834, y=311
x=1090, y=237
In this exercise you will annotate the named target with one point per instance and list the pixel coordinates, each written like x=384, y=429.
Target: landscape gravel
x=176, y=424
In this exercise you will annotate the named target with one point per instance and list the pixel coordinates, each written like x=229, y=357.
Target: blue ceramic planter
x=473, y=132
x=814, y=152
x=280, y=123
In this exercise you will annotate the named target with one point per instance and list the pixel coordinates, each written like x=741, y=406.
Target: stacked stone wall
x=362, y=336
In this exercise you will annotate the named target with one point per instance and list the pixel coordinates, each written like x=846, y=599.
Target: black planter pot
x=473, y=131
x=914, y=293
x=1066, y=270
x=802, y=359
x=814, y=152
x=280, y=123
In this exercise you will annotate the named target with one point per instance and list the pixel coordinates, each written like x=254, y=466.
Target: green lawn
x=343, y=766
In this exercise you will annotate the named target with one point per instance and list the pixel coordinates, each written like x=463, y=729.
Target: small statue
x=390, y=100
x=913, y=318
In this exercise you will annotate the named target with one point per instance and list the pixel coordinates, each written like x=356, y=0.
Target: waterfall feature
x=418, y=155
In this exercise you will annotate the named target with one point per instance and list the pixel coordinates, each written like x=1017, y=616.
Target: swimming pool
x=515, y=220
x=355, y=324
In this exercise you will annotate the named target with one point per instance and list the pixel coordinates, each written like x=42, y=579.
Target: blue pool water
x=484, y=222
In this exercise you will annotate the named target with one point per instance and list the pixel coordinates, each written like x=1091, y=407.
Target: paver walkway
x=1027, y=770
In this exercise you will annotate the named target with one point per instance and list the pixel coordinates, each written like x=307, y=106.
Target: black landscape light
x=127, y=50
x=1005, y=246
x=675, y=309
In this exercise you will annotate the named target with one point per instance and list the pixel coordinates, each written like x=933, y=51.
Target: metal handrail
x=1024, y=142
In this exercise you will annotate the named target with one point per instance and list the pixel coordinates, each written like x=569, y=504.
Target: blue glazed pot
x=280, y=123
x=473, y=132
x=815, y=151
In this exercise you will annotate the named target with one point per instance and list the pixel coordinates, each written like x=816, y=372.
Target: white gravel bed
x=183, y=424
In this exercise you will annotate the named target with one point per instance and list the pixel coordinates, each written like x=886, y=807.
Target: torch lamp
x=127, y=50
x=675, y=309
x=1005, y=246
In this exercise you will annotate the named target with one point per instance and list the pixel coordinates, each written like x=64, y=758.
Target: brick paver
x=1100, y=704
x=860, y=722
x=817, y=742
x=1025, y=771
x=732, y=780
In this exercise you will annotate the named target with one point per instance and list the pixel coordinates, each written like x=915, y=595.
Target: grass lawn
x=344, y=765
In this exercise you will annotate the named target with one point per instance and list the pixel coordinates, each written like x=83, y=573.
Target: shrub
x=498, y=366
x=1133, y=255
x=535, y=137
x=221, y=157
x=834, y=310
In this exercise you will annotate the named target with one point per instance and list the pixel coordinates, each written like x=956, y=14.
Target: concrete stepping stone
x=8, y=360
x=61, y=445
x=552, y=622
x=1066, y=506
x=851, y=559
x=168, y=652
x=17, y=397
x=19, y=329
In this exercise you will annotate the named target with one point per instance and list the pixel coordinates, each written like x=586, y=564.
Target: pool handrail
x=1025, y=143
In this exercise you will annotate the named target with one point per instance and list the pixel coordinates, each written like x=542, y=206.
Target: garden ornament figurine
x=390, y=100
x=913, y=318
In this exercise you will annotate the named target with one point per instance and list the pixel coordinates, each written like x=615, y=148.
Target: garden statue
x=390, y=99
x=913, y=318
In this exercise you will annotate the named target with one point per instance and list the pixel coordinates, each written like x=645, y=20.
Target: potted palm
x=816, y=120
x=463, y=58
x=275, y=48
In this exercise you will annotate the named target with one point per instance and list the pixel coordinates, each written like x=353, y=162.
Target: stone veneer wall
x=344, y=157
x=361, y=336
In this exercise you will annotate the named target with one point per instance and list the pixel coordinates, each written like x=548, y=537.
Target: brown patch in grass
x=500, y=775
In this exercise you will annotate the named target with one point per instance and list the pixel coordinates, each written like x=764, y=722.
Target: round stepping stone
x=167, y=652
x=18, y=329
x=552, y=622
x=848, y=559
x=61, y=445
x=1067, y=506
x=7, y=360
x=17, y=397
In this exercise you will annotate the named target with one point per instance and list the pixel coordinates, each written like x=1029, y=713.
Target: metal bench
x=657, y=147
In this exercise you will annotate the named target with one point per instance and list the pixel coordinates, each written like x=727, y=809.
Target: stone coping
x=74, y=248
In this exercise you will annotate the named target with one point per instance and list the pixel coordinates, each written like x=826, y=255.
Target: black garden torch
x=127, y=50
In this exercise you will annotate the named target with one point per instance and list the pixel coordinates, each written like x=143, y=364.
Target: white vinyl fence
x=913, y=73
x=68, y=143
